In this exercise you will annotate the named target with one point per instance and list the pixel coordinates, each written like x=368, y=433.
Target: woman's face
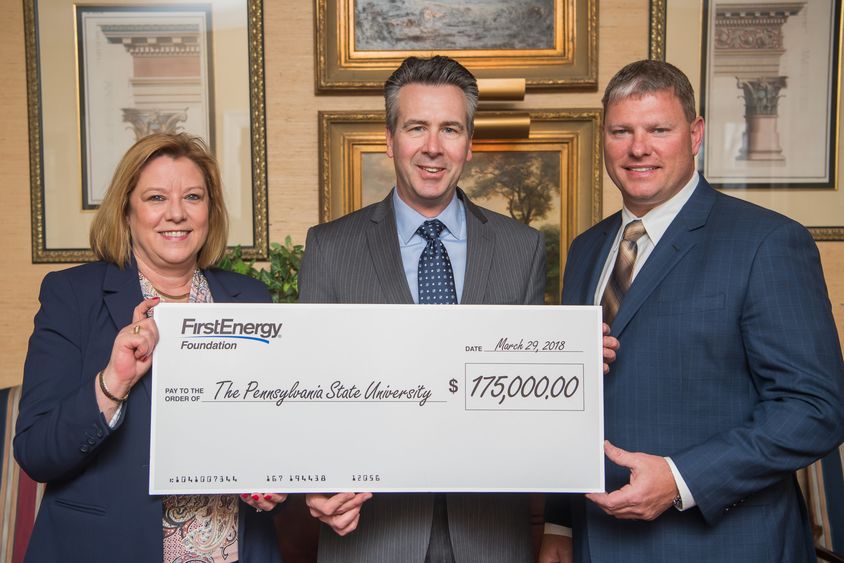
x=168, y=214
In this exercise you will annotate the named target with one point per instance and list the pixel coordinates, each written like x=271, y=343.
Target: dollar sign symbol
x=452, y=385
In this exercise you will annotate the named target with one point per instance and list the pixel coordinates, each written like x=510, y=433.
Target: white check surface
x=328, y=398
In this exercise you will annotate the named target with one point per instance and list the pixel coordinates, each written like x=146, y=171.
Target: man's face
x=430, y=145
x=650, y=148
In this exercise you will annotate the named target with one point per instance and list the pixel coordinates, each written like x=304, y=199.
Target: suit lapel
x=682, y=235
x=219, y=292
x=581, y=278
x=122, y=290
x=122, y=293
x=382, y=241
x=480, y=246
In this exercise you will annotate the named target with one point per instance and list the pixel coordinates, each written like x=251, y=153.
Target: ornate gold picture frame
x=560, y=163
x=90, y=98
x=551, y=43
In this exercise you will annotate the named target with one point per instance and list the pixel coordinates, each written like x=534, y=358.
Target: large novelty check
x=328, y=398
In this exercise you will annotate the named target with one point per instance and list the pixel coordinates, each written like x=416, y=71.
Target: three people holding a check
x=84, y=425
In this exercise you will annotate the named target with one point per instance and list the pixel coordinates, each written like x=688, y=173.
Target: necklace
x=169, y=297
x=149, y=289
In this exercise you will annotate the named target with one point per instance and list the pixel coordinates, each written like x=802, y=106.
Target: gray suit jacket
x=356, y=259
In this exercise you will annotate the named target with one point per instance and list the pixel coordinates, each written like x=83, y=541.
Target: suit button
x=84, y=449
x=91, y=441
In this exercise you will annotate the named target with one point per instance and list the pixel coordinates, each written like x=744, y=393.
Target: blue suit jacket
x=97, y=506
x=729, y=363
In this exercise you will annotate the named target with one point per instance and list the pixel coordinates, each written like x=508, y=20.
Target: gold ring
x=137, y=329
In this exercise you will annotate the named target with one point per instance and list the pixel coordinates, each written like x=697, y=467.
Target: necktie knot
x=430, y=230
x=634, y=231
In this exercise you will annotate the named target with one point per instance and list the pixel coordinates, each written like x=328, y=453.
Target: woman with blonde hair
x=84, y=423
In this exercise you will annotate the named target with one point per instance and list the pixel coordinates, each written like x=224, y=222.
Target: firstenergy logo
x=223, y=334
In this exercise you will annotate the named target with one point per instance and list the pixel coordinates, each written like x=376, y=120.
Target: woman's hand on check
x=340, y=511
x=263, y=502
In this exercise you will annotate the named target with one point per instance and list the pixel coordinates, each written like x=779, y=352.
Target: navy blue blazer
x=97, y=506
x=729, y=363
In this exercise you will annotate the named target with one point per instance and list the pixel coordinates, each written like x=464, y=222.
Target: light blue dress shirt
x=412, y=244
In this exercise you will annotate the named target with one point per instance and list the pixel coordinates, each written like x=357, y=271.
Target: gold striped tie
x=622, y=272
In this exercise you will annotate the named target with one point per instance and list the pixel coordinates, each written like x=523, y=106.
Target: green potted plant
x=282, y=279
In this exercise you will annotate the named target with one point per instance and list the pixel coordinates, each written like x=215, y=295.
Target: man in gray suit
x=375, y=255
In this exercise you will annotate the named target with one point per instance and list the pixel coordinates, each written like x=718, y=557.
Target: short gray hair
x=436, y=71
x=646, y=77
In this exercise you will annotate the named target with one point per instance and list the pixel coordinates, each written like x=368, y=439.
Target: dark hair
x=647, y=76
x=110, y=237
x=436, y=71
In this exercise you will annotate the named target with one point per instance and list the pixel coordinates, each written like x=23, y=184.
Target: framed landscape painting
x=551, y=43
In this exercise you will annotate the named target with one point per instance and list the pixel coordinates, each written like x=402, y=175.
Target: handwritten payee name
x=376, y=390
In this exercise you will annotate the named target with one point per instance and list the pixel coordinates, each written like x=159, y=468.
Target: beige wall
x=291, y=146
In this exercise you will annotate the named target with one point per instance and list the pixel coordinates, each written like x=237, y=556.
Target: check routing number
x=330, y=398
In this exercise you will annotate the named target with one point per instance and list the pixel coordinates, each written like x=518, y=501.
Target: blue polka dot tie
x=435, y=276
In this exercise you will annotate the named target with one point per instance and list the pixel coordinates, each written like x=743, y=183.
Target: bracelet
x=106, y=392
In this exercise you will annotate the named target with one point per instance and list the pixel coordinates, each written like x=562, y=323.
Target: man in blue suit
x=729, y=375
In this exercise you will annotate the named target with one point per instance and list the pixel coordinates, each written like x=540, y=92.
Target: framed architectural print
x=551, y=43
x=768, y=78
x=550, y=180
x=102, y=76
x=117, y=70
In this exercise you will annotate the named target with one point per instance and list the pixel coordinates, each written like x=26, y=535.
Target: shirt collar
x=658, y=219
x=408, y=219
